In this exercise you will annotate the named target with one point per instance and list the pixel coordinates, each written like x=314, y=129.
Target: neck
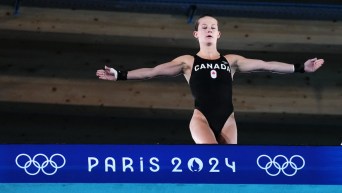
x=209, y=53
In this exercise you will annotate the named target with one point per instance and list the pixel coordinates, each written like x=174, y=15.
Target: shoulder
x=233, y=58
x=184, y=59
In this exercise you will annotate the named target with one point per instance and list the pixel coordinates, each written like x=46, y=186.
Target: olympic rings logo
x=40, y=162
x=280, y=163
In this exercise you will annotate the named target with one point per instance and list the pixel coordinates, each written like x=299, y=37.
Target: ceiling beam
x=301, y=9
x=172, y=31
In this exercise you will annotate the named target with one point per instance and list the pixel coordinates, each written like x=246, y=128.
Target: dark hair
x=200, y=17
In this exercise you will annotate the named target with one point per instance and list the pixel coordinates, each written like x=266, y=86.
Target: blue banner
x=211, y=164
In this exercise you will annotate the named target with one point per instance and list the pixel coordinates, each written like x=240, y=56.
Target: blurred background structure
x=51, y=49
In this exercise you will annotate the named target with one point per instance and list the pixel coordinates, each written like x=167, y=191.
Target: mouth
x=209, y=36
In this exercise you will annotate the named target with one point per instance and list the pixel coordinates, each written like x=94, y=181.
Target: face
x=207, y=30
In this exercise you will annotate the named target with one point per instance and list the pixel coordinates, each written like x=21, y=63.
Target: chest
x=211, y=70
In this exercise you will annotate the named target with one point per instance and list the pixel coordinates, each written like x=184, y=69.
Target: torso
x=189, y=61
x=211, y=77
x=211, y=85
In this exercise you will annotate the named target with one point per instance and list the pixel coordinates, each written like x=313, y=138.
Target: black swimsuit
x=211, y=86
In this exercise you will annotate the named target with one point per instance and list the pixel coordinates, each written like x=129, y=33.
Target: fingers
x=320, y=61
x=103, y=77
x=313, y=59
x=100, y=72
x=316, y=61
x=315, y=64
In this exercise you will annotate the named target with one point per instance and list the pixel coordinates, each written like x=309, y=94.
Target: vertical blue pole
x=16, y=7
x=192, y=10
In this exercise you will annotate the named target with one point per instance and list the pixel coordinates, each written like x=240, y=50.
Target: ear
x=219, y=35
x=195, y=33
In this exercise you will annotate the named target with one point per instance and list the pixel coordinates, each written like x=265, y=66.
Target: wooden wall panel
x=48, y=59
